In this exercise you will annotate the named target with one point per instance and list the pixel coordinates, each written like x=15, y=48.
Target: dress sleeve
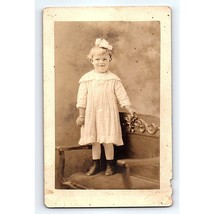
x=82, y=95
x=121, y=94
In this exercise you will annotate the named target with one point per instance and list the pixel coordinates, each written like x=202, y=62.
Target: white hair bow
x=102, y=43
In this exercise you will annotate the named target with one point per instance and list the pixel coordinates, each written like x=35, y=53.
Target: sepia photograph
x=107, y=106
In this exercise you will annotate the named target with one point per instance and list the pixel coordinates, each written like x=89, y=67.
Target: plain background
x=192, y=104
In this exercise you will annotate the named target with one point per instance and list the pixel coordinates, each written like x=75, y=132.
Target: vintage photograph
x=107, y=106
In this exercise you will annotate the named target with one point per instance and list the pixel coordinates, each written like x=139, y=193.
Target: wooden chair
x=137, y=162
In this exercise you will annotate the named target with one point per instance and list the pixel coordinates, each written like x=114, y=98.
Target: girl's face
x=101, y=62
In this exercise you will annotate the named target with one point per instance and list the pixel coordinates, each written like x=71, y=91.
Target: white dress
x=99, y=93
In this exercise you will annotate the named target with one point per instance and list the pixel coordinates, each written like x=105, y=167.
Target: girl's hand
x=80, y=121
x=131, y=110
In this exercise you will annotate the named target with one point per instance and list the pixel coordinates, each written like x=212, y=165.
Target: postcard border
x=90, y=198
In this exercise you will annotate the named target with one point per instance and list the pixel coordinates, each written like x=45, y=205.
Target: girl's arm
x=123, y=97
x=81, y=112
x=81, y=103
x=81, y=119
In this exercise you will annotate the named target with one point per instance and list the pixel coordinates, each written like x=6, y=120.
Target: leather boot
x=95, y=168
x=109, y=167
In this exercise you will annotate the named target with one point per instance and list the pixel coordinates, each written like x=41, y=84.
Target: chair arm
x=68, y=148
x=128, y=163
x=137, y=162
x=61, y=150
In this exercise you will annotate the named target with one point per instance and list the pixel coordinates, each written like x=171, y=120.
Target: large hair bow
x=102, y=43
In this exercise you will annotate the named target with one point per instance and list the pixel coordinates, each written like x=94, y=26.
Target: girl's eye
x=104, y=59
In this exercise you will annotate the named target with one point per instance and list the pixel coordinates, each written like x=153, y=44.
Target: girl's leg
x=109, y=153
x=96, y=153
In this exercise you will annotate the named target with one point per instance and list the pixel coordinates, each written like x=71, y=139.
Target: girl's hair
x=100, y=50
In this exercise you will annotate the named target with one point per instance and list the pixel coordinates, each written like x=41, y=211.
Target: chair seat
x=100, y=181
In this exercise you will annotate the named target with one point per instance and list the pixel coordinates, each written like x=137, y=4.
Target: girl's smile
x=101, y=62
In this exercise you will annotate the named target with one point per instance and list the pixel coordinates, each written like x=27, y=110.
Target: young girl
x=99, y=91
